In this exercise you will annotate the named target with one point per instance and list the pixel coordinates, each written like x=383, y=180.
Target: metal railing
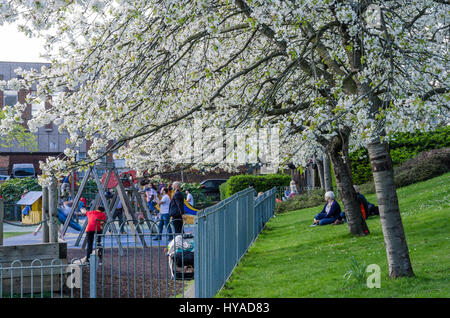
x=130, y=262
x=223, y=234
x=142, y=267
x=43, y=279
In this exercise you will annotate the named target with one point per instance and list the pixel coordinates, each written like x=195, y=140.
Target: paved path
x=11, y=228
x=72, y=235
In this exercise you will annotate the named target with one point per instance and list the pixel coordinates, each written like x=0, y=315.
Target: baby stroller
x=181, y=257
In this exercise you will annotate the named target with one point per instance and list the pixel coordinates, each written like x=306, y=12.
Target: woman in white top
x=163, y=212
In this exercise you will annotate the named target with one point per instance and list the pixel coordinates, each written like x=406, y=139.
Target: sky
x=17, y=47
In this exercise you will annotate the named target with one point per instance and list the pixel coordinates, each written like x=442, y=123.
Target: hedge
x=403, y=147
x=301, y=201
x=424, y=166
x=12, y=189
x=261, y=183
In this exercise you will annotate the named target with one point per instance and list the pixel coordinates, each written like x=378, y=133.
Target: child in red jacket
x=95, y=220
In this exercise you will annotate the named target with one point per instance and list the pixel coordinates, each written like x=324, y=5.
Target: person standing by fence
x=176, y=208
x=293, y=188
x=164, y=204
x=189, y=198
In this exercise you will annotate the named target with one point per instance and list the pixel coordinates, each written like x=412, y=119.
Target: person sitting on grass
x=95, y=221
x=362, y=201
x=287, y=194
x=330, y=212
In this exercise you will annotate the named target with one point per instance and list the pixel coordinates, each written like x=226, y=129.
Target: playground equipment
x=111, y=179
x=190, y=212
x=62, y=218
x=31, y=205
x=126, y=191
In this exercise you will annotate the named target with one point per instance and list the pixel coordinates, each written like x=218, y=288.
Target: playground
x=128, y=261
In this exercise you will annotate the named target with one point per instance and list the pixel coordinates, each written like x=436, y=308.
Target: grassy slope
x=291, y=259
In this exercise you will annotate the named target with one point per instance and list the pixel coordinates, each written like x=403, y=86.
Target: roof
x=30, y=198
x=7, y=68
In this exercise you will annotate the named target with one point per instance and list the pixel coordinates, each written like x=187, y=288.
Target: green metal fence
x=223, y=233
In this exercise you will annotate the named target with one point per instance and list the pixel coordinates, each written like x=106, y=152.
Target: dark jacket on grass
x=362, y=200
x=335, y=211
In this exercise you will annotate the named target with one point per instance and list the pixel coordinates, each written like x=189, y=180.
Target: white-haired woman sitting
x=330, y=213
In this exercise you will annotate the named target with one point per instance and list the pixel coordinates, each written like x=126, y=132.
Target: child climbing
x=95, y=220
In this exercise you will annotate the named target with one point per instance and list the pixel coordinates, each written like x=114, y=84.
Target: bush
x=201, y=200
x=261, y=183
x=403, y=147
x=367, y=188
x=301, y=201
x=424, y=166
x=223, y=191
x=12, y=189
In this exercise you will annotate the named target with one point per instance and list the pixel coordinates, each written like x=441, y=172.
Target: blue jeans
x=323, y=220
x=164, y=222
x=343, y=216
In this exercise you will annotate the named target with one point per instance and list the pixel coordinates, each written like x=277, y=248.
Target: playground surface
x=71, y=237
x=136, y=273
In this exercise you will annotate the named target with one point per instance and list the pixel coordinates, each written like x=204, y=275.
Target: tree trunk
x=391, y=222
x=311, y=177
x=53, y=211
x=338, y=152
x=320, y=172
x=45, y=215
x=328, y=184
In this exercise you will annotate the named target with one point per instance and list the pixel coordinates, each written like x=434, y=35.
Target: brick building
x=50, y=141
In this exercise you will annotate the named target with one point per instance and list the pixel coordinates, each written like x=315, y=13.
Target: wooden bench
x=33, y=268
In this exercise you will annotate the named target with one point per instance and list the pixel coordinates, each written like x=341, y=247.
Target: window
x=9, y=98
x=52, y=145
x=209, y=184
x=80, y=156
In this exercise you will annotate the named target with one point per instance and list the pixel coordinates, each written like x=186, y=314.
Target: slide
x=189, y=211
x=62, y=218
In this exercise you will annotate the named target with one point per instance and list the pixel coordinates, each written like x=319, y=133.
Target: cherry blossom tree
x=130, y=76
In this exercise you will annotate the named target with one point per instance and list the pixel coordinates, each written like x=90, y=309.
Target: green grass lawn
x=291, y=259
x=11, y=234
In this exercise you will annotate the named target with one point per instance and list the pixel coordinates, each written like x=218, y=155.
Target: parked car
x=211, y=187
x=3, y=178
x=23, y=170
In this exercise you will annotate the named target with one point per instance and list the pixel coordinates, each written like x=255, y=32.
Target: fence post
x=2, y=215
x=93, y=275
x=197, y=258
